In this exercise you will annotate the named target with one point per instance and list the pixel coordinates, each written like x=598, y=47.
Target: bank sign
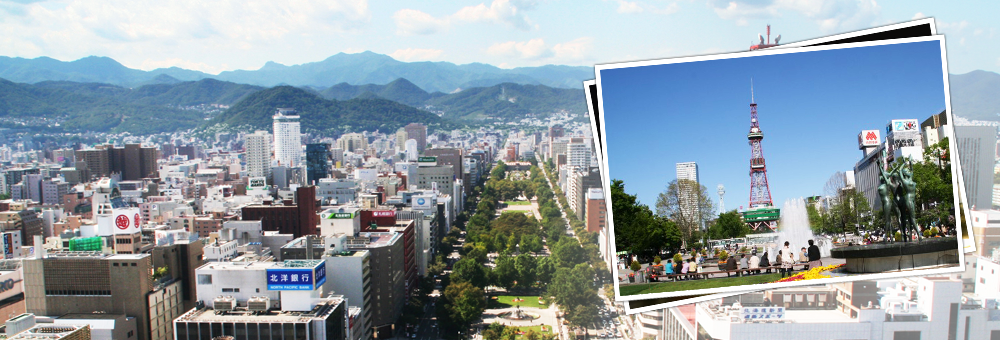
x=296, y=278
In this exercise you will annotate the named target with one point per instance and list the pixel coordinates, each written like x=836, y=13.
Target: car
x=413, y=336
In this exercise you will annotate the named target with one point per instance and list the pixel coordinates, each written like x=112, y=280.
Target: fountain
x=517, y=314
x=793, y=226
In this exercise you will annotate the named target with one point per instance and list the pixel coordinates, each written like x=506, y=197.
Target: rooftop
x=322, y=310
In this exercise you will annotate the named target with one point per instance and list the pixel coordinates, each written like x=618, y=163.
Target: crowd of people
x=739, y=264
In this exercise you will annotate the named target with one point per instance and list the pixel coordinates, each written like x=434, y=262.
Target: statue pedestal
x=888, y=257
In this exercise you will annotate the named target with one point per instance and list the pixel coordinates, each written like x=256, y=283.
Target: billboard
x=868, y=138
x=903, y=125
x=256, y=183
x=423, y=202
x=762, y=313
x=383, y=213
x=125, y=221
x=8, y=245
x=296, y=278
x=344, y=215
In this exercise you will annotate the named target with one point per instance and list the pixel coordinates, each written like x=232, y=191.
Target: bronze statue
x=908, y=198
x=898, y=192
x=886, y=189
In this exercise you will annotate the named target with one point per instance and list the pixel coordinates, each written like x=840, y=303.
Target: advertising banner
x=291, y=279
x=762, y=313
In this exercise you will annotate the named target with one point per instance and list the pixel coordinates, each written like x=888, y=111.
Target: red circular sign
x=136, y=220
x=122, y=222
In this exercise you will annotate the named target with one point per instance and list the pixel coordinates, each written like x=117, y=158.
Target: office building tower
x=976, y=151
x=287, y=137
x=83, y=282
x=258, y=154
x=689, y=192
x=597, y=210
x=317, y=162
x=418, y=132
x=352, y=142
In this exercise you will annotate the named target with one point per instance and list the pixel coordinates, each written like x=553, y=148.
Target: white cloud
x=577, y=49
x=828, y=14
x=416, y=54
x=509, y=12
x=953, y=27
x=531, y=50
x=919, y=15
x=134, y=30
x=629, y=7
x=414, y=22
x=537, y=50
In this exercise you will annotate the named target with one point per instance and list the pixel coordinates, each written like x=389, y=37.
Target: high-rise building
x=417, y=132
x=689, y=192
x=597, y=210
x=448, y=156
x=133, y=162
x=298, y=219
x=976, y=151
x=258, y=154
x=578, y=152
x=84, y=282
x=287, y=137
x=317, y=162
x=353, y=142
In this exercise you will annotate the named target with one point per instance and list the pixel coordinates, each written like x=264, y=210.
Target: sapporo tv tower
x=761, y=211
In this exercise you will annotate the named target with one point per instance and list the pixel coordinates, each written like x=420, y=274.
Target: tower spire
x=760, y=192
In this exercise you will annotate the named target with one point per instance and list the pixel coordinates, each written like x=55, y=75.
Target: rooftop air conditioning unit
x=224, y=304
x=259, y=304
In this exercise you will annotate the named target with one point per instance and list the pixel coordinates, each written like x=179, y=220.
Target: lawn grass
x=548, y=330
x=518, y=202
x=507, y=301
x=661, y=287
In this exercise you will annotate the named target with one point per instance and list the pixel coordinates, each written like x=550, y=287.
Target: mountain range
x=355, y=69
x=976, y=95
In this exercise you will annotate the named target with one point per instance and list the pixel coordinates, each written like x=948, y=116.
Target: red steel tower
x=760, y=193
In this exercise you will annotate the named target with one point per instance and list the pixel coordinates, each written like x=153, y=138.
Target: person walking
x=787, y=260
x=814, y=256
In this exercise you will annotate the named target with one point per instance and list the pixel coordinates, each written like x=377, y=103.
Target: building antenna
x=751, y=91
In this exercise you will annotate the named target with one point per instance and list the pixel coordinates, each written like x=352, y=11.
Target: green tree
x=637, y=230
x=688, y=204
x=468, y=270
x=465, y=301
x=729, y=225
x=568, y=252
x=545, y=270
x=505, y=272
x=531, y=243
x=573, y=288
x=527, y=268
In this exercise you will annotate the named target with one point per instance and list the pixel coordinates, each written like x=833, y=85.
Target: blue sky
x=811, y=107
x=213, y=36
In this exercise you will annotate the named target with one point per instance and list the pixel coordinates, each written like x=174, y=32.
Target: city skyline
x=714, y=98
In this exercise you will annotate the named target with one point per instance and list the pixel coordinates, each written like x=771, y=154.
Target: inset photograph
x=780, y=168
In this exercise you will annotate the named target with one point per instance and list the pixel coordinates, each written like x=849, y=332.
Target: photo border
x=760, y=53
